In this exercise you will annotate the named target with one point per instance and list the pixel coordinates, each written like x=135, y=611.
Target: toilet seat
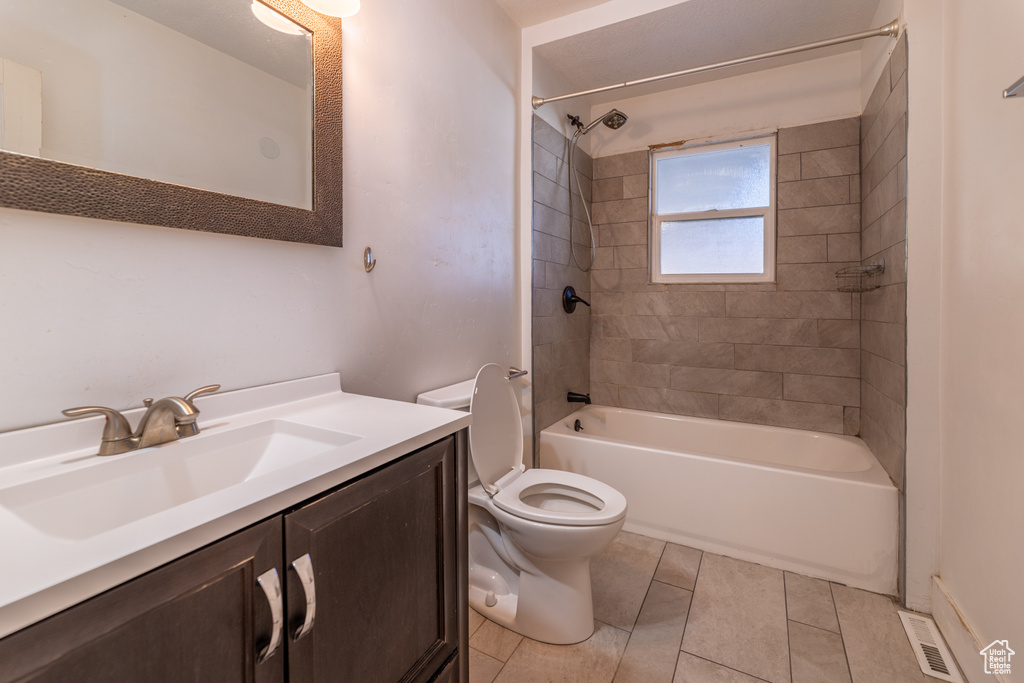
x=546, y=496
x=557, y=497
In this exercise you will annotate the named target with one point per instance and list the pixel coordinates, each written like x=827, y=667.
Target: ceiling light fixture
x=334, y=8
x=276, y=21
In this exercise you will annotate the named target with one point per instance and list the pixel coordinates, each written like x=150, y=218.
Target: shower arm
x=890, y=29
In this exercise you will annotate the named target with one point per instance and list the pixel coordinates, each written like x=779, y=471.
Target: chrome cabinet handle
x=270, y=582
x=304, y=569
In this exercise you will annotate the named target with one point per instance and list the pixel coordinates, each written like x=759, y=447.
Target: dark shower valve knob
x=570, y=299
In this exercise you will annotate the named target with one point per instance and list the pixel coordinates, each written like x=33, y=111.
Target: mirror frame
x=36, y=184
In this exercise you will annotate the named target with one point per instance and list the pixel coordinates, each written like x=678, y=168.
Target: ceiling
x=532, y=12
x=697, y=33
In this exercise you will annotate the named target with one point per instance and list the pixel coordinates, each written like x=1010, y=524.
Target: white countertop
x=42, y=573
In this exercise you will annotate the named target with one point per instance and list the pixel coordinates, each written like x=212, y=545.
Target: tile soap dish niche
x=859, y=278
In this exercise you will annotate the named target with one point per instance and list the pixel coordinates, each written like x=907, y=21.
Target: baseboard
x=960, y=635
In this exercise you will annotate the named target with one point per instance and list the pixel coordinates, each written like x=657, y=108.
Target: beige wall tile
x=604, y=394
x=630, y=163
x=537, y=270
x=803, y=249
x=605, y=348
x=550, y=221
x=893, y=149
x=660, y=303
x=879, y=200
x=838, y=161
x=735, y=382
x=888, y=414
x=622, y=280
x=787, y=332
x=809, y=601
x=549, y=138
x=623, y=233
x=885, y=376
x=838, y=391
x=661, y=400
x=620, y=211
x=891, y=456
x=819, y=220
x=788, y=168
x=634, y=186
x=677, y=328
x=767, y=411
x=898, y=58
x=738, y=618
x=808, y=193
x=841, y=133
x=886, y=304
x=550, y=193
x=851, y=421
x=549, y=329
x=840, y=334
x=809, y=277
x=633, y=374
x=788, y=305
x=893, y=226
x=694, y=354
x=887, y=340
x=874, y=105
x=633, y=256
x=844, y=247
x=550, y=166
x=549, y=248
x=607, y=189
x=817, y=655
x=799, y=359
x=894, y=108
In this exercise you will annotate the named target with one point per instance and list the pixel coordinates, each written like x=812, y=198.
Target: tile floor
x=670, y=614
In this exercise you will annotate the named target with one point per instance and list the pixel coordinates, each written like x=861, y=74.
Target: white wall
x=982, y=535
x=107, y=313
x=817, y=90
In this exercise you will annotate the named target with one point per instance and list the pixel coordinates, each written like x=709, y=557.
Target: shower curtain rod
x=890, y=29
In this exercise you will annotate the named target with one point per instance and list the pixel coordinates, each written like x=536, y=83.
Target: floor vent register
x=932, y=654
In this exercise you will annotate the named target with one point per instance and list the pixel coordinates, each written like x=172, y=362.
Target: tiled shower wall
x=561, y=342
x=884, y=310
x=784, y=354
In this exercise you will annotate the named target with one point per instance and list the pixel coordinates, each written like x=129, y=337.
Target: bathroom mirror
x=180, y=113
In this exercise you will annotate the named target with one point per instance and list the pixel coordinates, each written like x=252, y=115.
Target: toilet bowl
x=531, y=532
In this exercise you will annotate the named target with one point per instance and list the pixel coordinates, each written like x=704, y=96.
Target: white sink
x=90, y=501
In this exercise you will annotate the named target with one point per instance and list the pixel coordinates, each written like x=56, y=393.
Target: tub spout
x=573, y=397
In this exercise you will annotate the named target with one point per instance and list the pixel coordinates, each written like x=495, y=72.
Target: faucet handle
x=209, y=389
x=117, y=432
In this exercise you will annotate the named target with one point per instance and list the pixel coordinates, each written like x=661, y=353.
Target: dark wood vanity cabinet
x=383, y=555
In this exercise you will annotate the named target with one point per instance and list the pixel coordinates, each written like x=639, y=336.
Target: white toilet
x=531, y=532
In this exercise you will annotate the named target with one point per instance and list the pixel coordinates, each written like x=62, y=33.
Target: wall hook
x=368, y=261
x=569, y=299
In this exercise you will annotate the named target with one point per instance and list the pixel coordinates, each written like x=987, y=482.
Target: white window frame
x=768, y=212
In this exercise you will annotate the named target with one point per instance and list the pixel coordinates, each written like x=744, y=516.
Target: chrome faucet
x=168, y=419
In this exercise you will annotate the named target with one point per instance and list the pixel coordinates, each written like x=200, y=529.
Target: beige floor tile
x=692, y=669
x=592, y=661
x=482, y=669
x=475, y=621
x=817, y=655
x=654, y=644
x=876, y=644
x=738, y=618
x=621, y=575
x=679, y=566
x=495, y=641
x=809, y=601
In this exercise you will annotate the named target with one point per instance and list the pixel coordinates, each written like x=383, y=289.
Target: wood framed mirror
x=36, y=183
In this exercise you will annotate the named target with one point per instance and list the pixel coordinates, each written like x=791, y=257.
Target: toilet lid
x=496, y=433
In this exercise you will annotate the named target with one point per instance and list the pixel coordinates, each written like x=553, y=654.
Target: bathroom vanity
x=366, y=544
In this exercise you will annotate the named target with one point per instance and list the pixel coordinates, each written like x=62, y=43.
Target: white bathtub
x=817, y=504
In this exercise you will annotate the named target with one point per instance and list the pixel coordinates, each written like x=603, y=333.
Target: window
x=713, y=212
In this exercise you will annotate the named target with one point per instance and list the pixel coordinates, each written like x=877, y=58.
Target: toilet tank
x=453, y=396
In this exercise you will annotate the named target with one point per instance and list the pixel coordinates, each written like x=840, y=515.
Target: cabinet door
x=383, y=557
x=197, y=619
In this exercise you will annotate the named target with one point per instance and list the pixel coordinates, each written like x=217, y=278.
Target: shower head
x=613, y=119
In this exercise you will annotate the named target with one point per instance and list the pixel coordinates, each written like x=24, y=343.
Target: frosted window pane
x=719, y=245
x=735, y=178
